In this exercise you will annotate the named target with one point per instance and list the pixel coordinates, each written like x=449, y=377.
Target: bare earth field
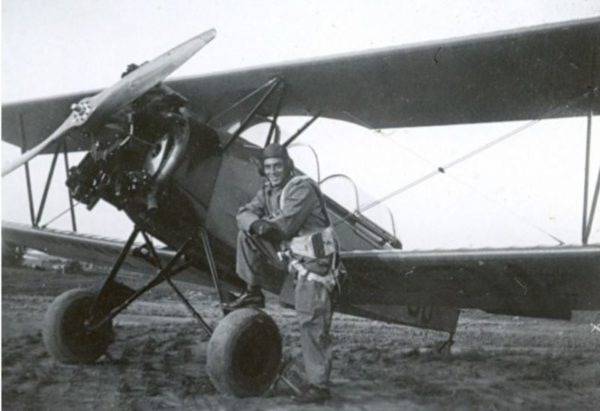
x=158, y=359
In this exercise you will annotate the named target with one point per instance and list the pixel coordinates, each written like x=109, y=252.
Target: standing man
x=288, y=216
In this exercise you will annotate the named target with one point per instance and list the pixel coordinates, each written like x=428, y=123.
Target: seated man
x=288, y=216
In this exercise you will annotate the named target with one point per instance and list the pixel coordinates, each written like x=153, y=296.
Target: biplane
x=172, y=156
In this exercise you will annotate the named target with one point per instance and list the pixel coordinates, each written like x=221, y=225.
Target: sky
x=526, y=191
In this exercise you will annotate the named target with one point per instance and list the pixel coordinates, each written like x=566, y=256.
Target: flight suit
x=300, y=213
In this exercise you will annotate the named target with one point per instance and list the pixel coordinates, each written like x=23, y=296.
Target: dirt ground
x=158, y=359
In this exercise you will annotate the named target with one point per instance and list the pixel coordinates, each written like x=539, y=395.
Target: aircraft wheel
x=65, y=336
x=244, y=353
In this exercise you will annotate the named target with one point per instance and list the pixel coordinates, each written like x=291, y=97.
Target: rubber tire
x=244, y=353
x=64, y=332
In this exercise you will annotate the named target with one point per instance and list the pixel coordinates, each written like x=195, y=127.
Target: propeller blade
x=63, y=129
x=146, y=76
x=92, y=110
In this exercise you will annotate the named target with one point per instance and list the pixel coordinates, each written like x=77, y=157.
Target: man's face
x=274, y=170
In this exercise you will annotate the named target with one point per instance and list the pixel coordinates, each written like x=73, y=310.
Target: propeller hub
x=81, y=111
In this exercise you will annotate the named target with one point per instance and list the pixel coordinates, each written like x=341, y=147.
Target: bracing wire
x=481, y=194
x=59, y=215
x=487, y=146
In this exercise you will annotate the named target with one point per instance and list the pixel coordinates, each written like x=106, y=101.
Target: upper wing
x=511, y=75
x=538, y=72
x=545, y=282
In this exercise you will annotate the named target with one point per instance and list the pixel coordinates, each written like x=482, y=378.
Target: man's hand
x=266, y=229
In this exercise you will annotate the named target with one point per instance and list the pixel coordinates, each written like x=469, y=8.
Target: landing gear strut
x=244, y=351
x=78, y=324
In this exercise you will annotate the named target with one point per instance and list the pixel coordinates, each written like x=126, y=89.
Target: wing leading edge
x=538, y=72
x=91, y=249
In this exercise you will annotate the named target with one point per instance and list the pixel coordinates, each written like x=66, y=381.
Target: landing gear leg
x=212, y=266
x=78, y=324
x=207, y=328
x=67, y=334
x=164, y=274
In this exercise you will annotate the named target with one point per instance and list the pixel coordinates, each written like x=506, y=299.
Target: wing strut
x=273, y=83
x=47, y=187
x=301, y=130
x=274, y=131
x=27, y=173
x=588, y=219
x=37, y=217
x=588, y=229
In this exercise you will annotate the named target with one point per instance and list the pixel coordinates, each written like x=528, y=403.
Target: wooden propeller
x=92, y=111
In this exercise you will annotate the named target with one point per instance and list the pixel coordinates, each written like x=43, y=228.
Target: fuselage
x=205, y=187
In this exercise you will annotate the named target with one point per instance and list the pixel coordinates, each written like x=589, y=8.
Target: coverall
x=300, y=214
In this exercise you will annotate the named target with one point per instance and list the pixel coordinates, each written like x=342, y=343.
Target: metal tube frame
x=250, y=115
x=212, y=121
x=273, y=132
x=301, y=130
x=165, y=273
x=212, y=266
x=115, y=269
x=207, y=328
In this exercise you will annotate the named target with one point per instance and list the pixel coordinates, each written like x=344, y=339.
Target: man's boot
x=252, y=297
